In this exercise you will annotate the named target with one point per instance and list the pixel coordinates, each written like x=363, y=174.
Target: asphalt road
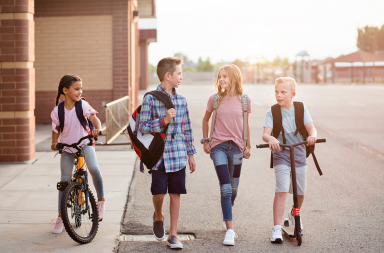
x=343, y=210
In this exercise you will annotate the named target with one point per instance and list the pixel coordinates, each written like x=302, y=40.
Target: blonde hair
x=288, y=80
x=167, y=64
x=235, y=78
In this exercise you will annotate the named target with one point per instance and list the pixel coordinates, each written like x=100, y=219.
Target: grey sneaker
x=174, y=243
x=158, y=229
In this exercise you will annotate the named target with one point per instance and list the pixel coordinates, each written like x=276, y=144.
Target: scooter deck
x=289, y=231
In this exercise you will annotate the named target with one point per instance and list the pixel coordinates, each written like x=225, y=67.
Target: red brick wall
x=121, y=66
x=47, y=101
x=144, y=72
x=17, y=81
x=55, y=8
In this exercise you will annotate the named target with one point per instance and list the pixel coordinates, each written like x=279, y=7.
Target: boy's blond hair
x=288, y=80
x=167, y=64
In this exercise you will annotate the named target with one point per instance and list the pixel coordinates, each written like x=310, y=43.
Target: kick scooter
x=293, y=231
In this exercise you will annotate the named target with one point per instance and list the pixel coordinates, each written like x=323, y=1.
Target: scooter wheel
x=298, y=239
x=286, y=222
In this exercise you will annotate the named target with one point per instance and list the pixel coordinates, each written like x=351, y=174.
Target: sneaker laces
x=56, y=221
x=230, y=234
x=100, y=204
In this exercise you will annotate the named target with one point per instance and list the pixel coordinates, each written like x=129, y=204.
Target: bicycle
x=296, y=230
x=78, y=205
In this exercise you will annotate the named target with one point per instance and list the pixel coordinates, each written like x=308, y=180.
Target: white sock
x=277, y=227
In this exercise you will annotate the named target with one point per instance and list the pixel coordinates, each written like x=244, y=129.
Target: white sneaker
x=230, y=237
x=59, y=225
x=276, y=234
x=224, y=226
x=292, y=219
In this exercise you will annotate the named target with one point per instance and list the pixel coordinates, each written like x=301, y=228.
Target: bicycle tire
x=69, y=196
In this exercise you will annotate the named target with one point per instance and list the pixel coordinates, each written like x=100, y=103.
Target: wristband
x=163, y=122
x=204, y=140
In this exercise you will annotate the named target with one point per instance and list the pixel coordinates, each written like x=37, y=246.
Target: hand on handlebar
x=274, y=144
x=96, y=132
x=311, y=140
x=53, y=146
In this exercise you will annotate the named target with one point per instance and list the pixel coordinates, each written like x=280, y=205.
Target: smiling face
x=223, y=80
x=175, y=78
x=74, y=92
x=284, y=95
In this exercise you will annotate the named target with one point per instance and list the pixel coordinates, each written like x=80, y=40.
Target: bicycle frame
x=80, y=174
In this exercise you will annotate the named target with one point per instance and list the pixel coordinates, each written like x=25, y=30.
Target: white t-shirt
x=73, y=131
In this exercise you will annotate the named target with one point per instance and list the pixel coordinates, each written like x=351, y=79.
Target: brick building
x=42, y=40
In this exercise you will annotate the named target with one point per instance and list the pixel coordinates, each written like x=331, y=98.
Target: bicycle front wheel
x=80, y=223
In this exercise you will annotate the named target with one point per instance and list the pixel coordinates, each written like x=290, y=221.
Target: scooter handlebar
x=267, y=145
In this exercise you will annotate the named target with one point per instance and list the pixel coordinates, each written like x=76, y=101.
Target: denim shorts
x=174, y=181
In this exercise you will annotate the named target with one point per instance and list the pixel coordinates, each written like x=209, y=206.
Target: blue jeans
x=66, y=165
x=227, y=159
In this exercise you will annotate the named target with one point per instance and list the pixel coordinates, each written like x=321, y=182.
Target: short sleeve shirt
x=73, y=130
x=229, y=120
x=289, y=125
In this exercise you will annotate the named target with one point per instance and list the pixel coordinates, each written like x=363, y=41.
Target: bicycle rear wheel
x=81, y=224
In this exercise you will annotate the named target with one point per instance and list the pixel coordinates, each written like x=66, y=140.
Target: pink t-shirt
x=73, y=131
x=229, y=120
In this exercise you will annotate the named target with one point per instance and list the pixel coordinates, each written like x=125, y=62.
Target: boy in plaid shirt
x=169, y=172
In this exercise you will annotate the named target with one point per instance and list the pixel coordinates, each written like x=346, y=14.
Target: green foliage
x=239, y=63
x=204, y=66
x=279, y=63
x=370, y=38
x=152, y=69
x=189, y=69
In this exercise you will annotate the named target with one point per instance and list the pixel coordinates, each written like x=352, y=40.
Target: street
x=343, y=209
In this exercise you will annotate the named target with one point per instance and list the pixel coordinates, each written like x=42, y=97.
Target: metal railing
x=116, y=118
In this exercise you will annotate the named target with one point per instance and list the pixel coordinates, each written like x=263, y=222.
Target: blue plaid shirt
x=176, y=150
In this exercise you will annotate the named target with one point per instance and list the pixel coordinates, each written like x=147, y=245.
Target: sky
x=225, y=30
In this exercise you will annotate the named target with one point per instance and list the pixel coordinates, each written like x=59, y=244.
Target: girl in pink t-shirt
x=71, y=87
x=226, y=146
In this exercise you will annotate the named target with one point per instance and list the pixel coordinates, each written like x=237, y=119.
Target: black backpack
x=300, y=128
x=148, y=146
x=79, y=113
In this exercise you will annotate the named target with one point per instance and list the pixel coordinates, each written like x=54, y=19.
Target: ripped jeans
x=227, y=159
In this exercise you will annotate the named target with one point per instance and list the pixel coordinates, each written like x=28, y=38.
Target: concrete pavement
x=343, y=210
x=29, y=201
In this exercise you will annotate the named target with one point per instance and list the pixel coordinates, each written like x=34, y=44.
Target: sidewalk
x=29, y=202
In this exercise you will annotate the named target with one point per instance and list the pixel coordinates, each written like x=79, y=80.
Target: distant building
x=358, y=67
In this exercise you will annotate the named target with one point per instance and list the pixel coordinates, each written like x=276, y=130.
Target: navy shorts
x=174, y=181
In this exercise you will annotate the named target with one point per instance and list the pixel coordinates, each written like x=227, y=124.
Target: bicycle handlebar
x=292, y=145
x=61, y=146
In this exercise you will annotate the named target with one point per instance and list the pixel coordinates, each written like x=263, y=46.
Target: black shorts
x=174, y=181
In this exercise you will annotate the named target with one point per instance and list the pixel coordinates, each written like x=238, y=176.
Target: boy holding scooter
x=285, y=91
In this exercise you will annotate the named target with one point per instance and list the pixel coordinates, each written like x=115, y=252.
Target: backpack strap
x=60, y=110
x=244, y=102
x=277, y=126
x=164, y=98
x=213, y=121
x=80, y=114
x=300, y=128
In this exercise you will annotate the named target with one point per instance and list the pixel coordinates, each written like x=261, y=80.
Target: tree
x=239, y=63
x=370, y=38
x=205, y=66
